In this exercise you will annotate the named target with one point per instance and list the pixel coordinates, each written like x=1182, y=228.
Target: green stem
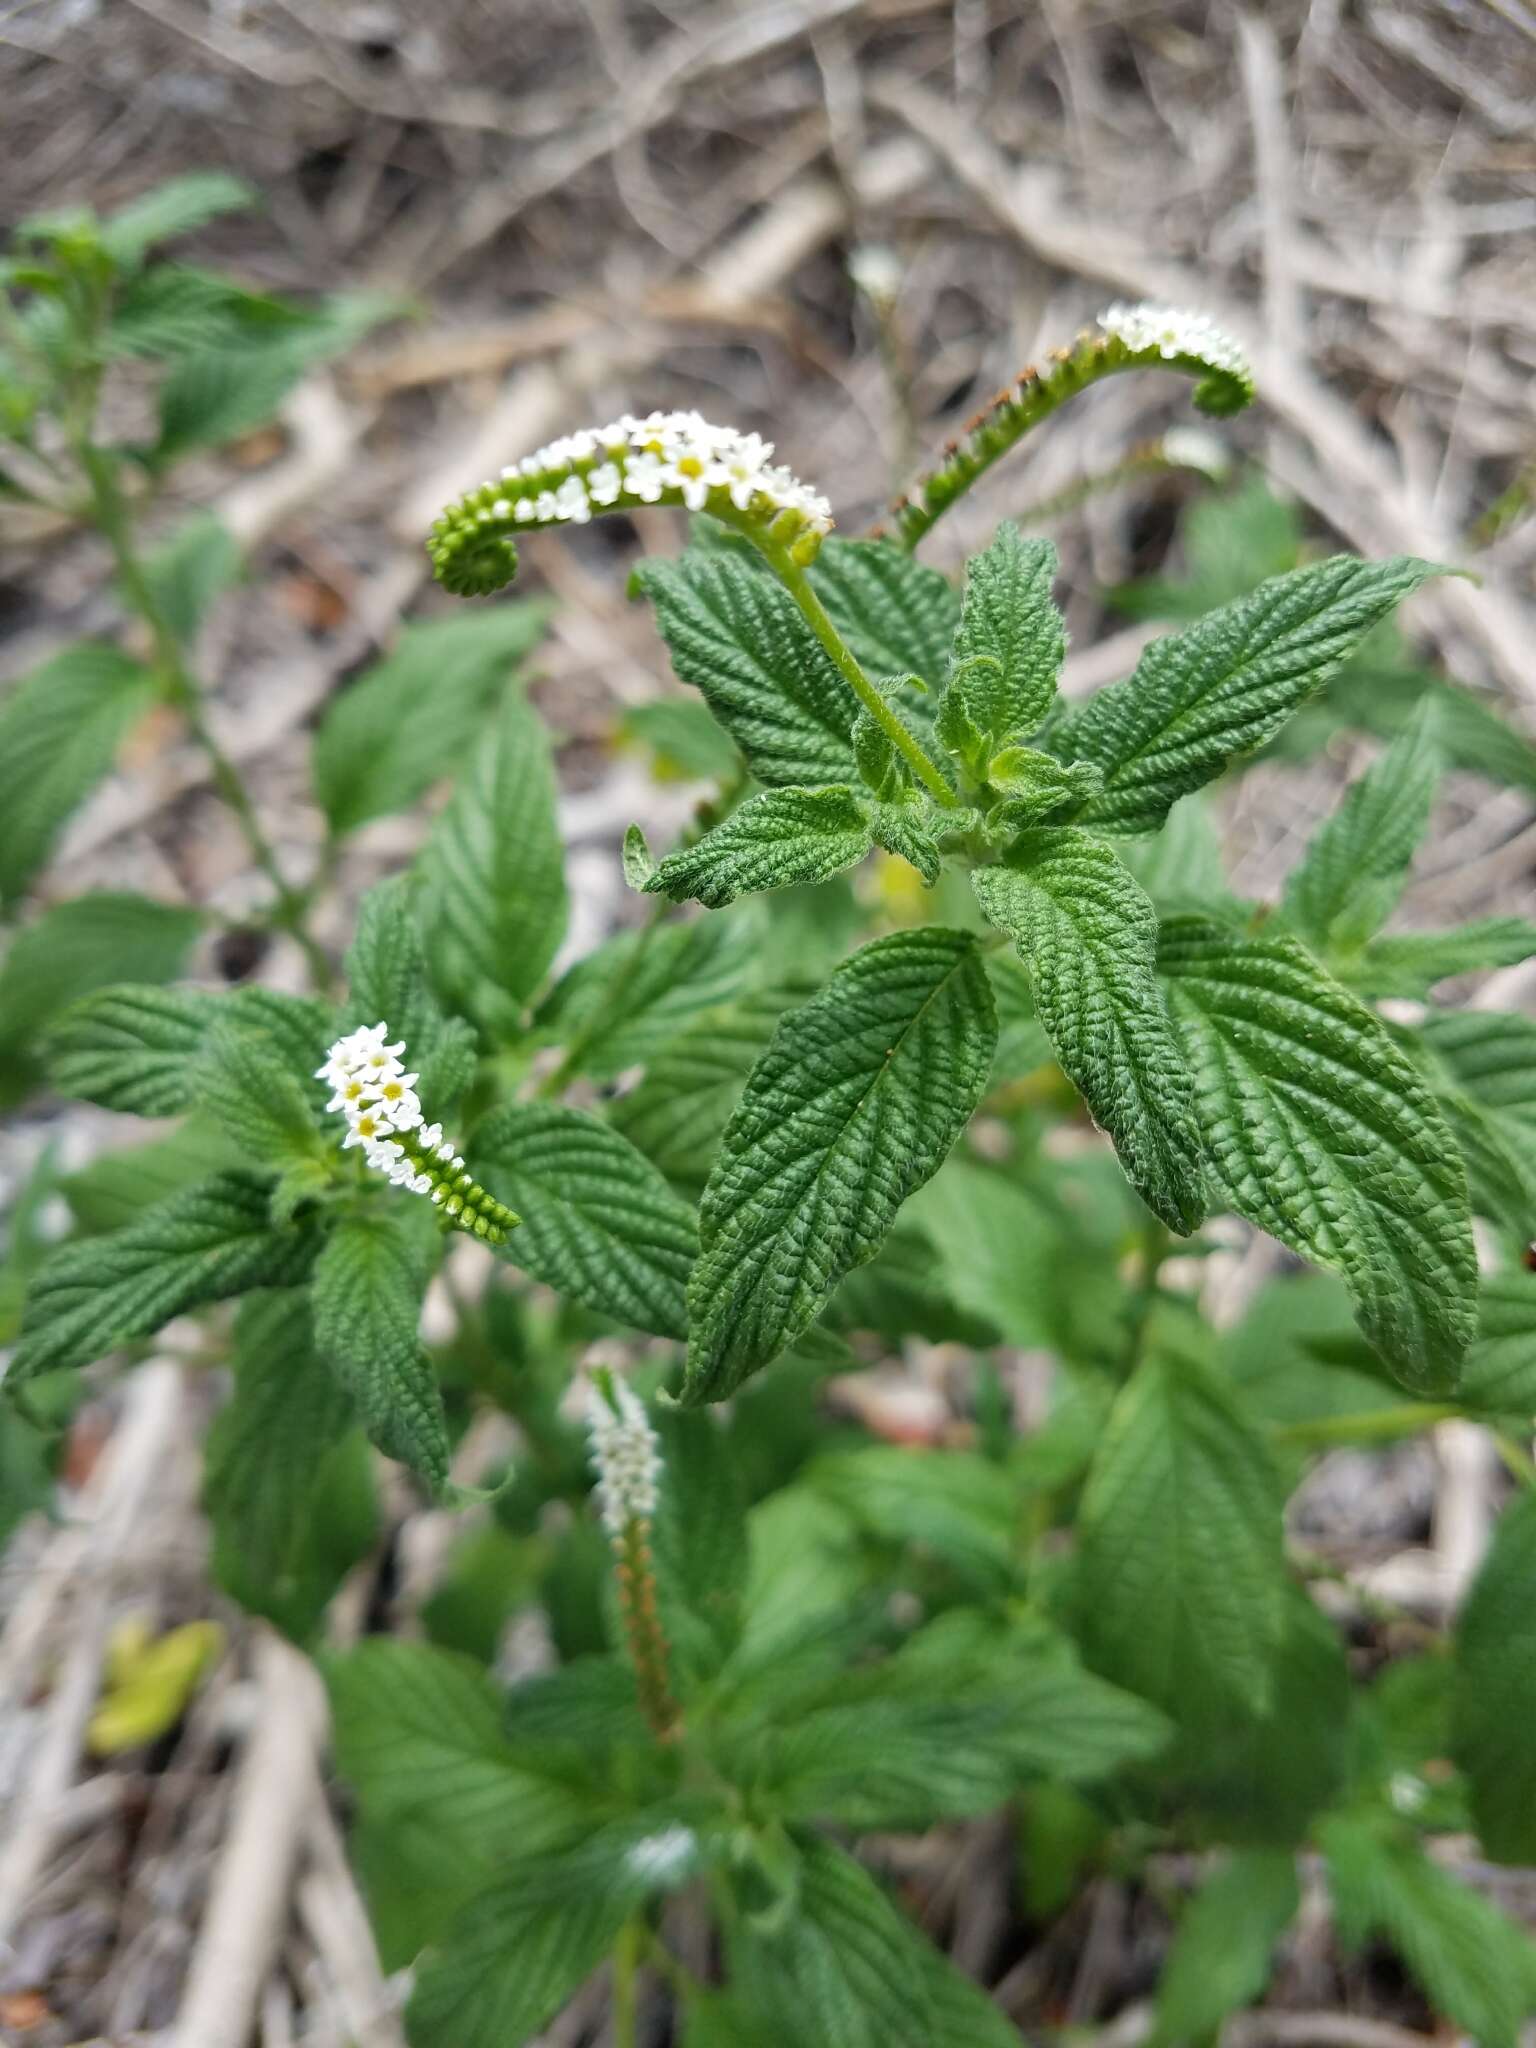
x=1374, y=1425
x=110, y=516
x=1156, y=1243
x=626, y=1984
x=906, y=743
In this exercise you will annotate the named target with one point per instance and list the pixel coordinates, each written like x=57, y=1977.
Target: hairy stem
x=636, y=1573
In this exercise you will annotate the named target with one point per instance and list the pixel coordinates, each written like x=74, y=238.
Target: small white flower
x=523, y=509
x=1172, y=331
x=624, y=1455
x=643, y=478
x=571, y=501
x=658, y=1859
x=604, y=483
x=545, y=508
x=429, y=1137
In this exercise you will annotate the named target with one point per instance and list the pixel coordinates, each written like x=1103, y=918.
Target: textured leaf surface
x=212, y=1241
x=737, y=637
x=773, y=840
x=282, y=1470
x=369, y=1283
x=1087, y=934
x=77, y=947
x=1228, y=684
x=255, y=1096
x=417, y=715
x=844, y=1971
x=897, y=615
x=1411, y=963
x=1492, y=1055
x=1474, y=1965
x=1223, y=1950
x=856, y=1102
x=387, y=975
x=1494, y=1712
x=493, y=875
x=1356, y=862
x=1321, y=1133
x=1181, y=1564
x=1012, y=640
x=600, y=1223
x=60, y=729
x=135, y=1048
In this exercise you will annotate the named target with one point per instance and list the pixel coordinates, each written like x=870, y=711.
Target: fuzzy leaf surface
x=771, y=841
x=387, y=975
x=737, y=637
x=1181, y=1554
x=856, y=1103
x=1011, y=641
x=1087, y=933
x=369, y=1283
x=203, y=1245
x=1321, y=1132
x=600, y=1223
x=1202, y=697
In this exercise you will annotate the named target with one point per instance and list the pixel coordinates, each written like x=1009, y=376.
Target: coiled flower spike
x=372, y=1090
x=667, y=458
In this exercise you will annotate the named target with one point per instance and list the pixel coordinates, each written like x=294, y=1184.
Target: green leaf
x=1475, y=1965
x=172, y=208
x=1035, y=788
x=76, y=947
x=289, y=1496
x=910, y=830
x=624, y=1004
x=677, y=1113
x=26, y=1483
x=897, y=616
x=134, y=1048
x=387, y=975
x=636, y=859
x=173, y=311
x=1223, y=1950
x=1500, y=1374
x=737, y=637
x=189, y=569
x=419, y=1740
x=1494, y=1711
x=369, y=1283
x=700, y=1541
x=117, y=1187
x=1501, y=1171
x=1009, y=649
x=960, y=2014
x=416, y=716
x=1181, y=868
x=1200, y=698
x=683, y=738
x=203, y=1245
x=1411, y=963
x=1321, y=1133
x=772, y=841
x=1356, y=862
x=842, y=1970
x=856, y=1102
x=959, y=1506
x=1088, y=935
x=600, y=1224
x=1181, y=1556
x=1492, y=1055
x=60, y=729
x=493, y=902
x=252, y=1092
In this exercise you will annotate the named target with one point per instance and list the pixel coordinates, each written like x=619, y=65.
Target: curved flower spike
x=1129, y=338
x=667, y=458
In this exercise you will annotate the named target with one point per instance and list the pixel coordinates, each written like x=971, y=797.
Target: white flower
x=658, y=1859
x=545, y=508
x=1173, y=331
x=523, y=509
x=624, y=1455
x=604, y=483
x=429, y=1137
x=571, y=501
x=644, y=478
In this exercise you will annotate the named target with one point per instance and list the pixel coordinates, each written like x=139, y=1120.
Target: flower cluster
x=1172, y=332
x=370, y=1087
x=666, y=458
x=624, y=1454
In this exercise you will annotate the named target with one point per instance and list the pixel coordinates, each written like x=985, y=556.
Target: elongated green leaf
x=1474, y=1964
x=289, y=1496
x=416, y=716
x=60, y=729
x=1181, y=1565
x=493, y=876
x=685, y=742
x=600, y=1223
x=369, y=1283
x=1010, y=645
x=76, y=947
x=1500, y=1375
x=1226, y=685
x=1321, y=1133
x=189, y=569
x=210, y=1242
x=118, y=1186
x=419, y=1740
x=1088, y=936
x=897, y=615
x=1495, y=1694
x=1356, y=863
x=776, y=839
x=1411, y=963
x=843, y=1970
x=856, y=1102
x=135, y=1048
x=737, y=637
x=244, y=1083
x=1223, y=1950
x=700, y=1541
x=172, y=208
x=1492, y=1055
x=959, y=1508
x=625, y=1003
x=387, y=975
